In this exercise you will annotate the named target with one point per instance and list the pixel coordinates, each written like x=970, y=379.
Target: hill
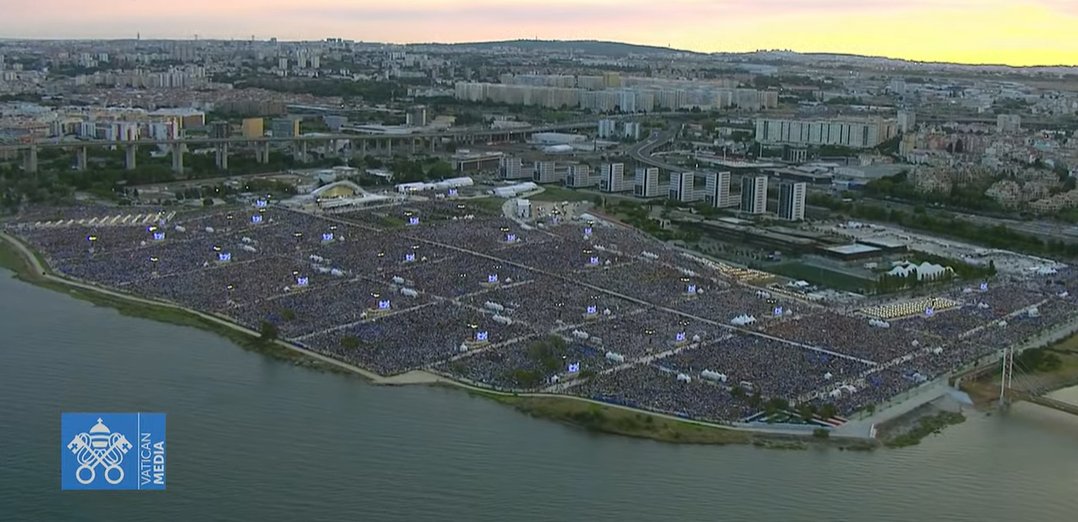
x=594, y=47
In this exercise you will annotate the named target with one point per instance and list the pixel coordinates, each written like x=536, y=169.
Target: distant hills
x=621, y=49
x=595, y=47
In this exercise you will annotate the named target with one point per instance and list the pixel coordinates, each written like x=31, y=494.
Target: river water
x=251, y=438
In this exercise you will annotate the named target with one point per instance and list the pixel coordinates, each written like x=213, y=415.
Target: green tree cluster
x=997, y=236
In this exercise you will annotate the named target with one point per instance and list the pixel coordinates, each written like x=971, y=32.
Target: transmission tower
x=1007, y=377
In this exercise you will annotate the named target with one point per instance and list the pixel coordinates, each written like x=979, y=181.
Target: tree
x=827, y=411
x=268, y=331
x=207, y=202
x=372, y=162
x=440, y=170
x=350, y=342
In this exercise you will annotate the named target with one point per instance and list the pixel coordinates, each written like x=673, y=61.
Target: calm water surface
x=255, y=439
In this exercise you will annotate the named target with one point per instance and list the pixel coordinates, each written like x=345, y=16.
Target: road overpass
x=642, y=152
x=360, y=144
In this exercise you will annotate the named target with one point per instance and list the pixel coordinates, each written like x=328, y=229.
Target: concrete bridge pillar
x=413, y=146
x=432, y=141
x=301, y=152
x=30, y=159
x=222, y=156
x=81, y=159
x=177, y=157
x=389, y=147
x=262, y=152
x=363, y=147
x=130, y=153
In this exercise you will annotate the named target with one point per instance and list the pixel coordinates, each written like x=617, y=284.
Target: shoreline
x=591, y=415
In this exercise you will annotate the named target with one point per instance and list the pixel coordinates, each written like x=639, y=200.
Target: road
x=641, y=152
x=1042, y=229
x=474, y=132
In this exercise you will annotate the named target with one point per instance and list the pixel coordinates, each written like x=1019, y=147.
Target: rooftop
x=856, y=248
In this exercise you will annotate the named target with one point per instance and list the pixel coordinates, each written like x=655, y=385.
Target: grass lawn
x=822, y=276
x=493, y=205
x=606, y=419
x=555, y=193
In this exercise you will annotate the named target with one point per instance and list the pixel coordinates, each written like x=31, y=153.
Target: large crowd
x=322, y=283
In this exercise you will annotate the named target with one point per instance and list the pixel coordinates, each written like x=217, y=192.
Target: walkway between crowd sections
x=648, y=304
x=346, y=326
x=641, y=361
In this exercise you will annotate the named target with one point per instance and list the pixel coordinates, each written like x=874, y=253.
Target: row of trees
x=997, y=236
x=899, y=186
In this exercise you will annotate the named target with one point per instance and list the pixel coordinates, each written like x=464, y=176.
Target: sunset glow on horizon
x=1016, y=32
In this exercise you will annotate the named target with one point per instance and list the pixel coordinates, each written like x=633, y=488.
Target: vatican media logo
x=112, y=451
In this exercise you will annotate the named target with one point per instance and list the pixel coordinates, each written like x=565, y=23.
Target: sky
x=1016, y=32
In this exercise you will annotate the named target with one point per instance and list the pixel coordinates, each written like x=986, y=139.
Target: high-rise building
x=416, y=117
x=512, y=168
x=717, y=189
x=631, y=130
x=612, y=178
x=547, y=171
x=285, y=127
x=857, y=134
x=1008, y=123
x=611, y=80
x=253, y=127
x=754, y=194
x=219, y=129
x=792, y=201
x=579, y=175
x=907, y=121
x=683, y=187
x=607, y=128
x=646, y=183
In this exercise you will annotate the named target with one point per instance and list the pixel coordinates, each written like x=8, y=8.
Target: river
x=252, y=438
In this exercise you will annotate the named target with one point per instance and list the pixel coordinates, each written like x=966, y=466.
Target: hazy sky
x=1020, y=32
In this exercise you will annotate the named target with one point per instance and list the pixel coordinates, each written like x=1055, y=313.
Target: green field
x=554, y=193
x=822, y=276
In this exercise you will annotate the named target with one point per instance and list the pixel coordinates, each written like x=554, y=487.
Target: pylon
x=1007, y=377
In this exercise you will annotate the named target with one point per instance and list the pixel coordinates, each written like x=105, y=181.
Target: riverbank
x=985, y=390
x=29, y=267
x=593, y=416
x=928, y=419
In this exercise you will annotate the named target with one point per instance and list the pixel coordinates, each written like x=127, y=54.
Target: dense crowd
x=399, y=342
x=516, y=366
x=852, y=336
x=320, y=281
x=649, y=387
x=774, y=369
x=547, y=303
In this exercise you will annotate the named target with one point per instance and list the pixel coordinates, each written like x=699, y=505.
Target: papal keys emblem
x=99, y=447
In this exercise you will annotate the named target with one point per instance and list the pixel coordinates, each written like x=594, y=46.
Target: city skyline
x=1039, y=32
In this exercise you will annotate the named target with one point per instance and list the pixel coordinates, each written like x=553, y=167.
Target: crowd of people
x=650, y=387
x=418, y=338
x=321, y=282
x=547, y=303
x=770, y=367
